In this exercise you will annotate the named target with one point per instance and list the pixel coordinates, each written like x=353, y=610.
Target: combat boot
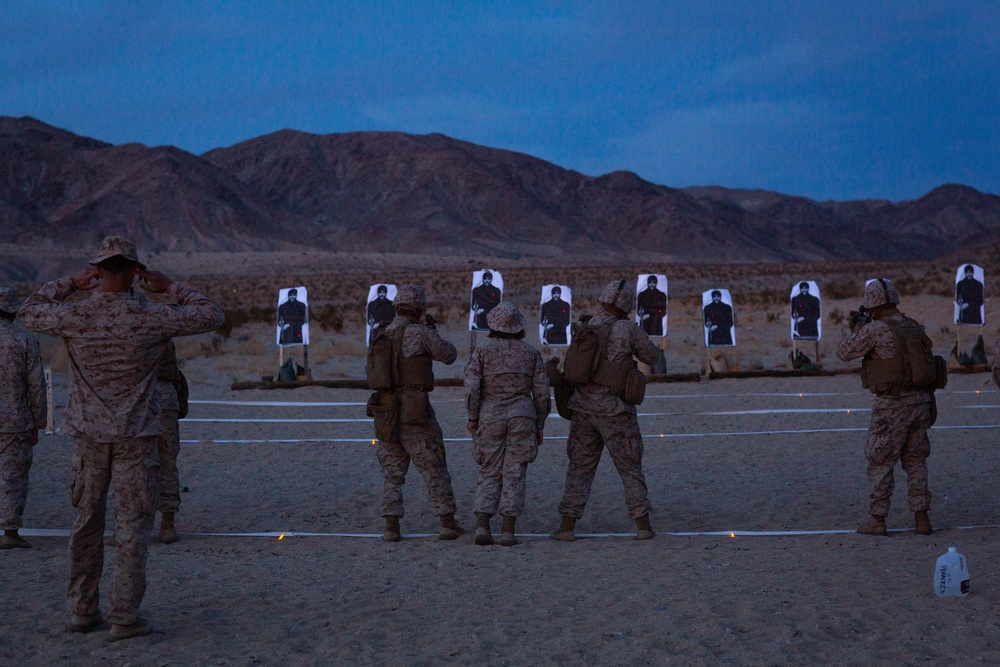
x=449, y=529
x=140, y=628
x=566, y=530
x=922, y=523
x=875, y=526
x=12, y=540
x=391, y=532
x=643, y=529
x=483, y=536
x=84, y=624
x=507, y=536
x=168, y=533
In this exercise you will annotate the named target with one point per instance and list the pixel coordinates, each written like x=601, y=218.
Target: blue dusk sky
x=830, y=100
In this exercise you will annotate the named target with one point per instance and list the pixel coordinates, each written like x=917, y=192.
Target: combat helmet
x=410, y=296
x=619, y=294
x=118, y=246
x=8, y=301
x=505, y=318
x=880, y=292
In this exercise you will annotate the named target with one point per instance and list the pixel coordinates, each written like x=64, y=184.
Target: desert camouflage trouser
x=503, y=451
x=135, y=469
x=15, y=461
x=169, y=448
x=423, y=444
x=588, y=435
x=898, y=432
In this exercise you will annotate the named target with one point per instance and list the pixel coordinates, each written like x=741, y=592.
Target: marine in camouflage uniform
x=23, y=412
x=601, y=419
x=507, y=397
x=115, y=342
x=900, y=416
x=423, y=443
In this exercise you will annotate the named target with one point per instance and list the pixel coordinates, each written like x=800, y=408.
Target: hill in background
x=389, y=192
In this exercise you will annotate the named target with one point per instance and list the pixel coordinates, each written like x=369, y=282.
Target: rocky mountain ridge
x=431, y=194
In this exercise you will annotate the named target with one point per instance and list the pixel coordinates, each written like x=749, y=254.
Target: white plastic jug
x=951, y=574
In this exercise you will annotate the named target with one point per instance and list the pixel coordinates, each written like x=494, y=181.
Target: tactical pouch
x=181, y=387
x=413, y=407
x=383, y=406
x=940, y=372
x=563, y=391
x=635, y=387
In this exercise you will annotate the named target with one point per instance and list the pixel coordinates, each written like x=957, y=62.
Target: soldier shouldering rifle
x=900, y=369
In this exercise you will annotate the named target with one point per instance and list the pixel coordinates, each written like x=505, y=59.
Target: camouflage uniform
x=899, y=422
x=115, y=343
x=23, y=411
x=169, y=442
x=423, y=443
x=507, y=393
x=601, y=419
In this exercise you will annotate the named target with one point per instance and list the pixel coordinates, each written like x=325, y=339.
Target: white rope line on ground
x=282, y=404
x=344, y=404
x=358, y=420
x=654, y=436
x=224, y=420
x=51, y=532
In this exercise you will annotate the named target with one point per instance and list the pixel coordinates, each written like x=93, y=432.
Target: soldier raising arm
x=115, y=342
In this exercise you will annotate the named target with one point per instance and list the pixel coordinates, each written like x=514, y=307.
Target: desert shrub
x=329, y=318
x=837, y=316
x=844, y=288
x=239, y=316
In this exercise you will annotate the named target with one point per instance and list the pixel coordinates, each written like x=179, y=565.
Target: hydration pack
x=585, y=351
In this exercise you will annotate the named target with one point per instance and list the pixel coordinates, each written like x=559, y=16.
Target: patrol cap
x=619, y=294
x=8, y=301
x=118, y=246
x=411, y=296
x=880, y=292
x=505, y=318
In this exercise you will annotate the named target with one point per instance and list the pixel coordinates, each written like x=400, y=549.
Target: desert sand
x=754, y=455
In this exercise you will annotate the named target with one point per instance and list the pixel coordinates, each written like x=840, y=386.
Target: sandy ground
x=833, y=598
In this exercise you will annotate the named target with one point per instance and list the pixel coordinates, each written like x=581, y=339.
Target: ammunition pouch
x=383, y=407
x=624, y=380
x=561, y=387
x=416, y=371
x=183, y=394
x=586, y=362
x=414, y=406
x=884, y=376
